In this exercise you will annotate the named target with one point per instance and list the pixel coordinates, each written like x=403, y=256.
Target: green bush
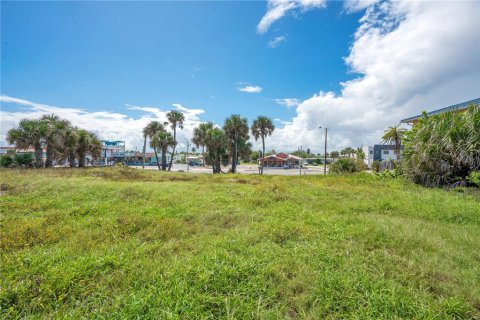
x=394, y=173
x=376, y=166
x=347, y=165
x=443, y=149
x=474, y=178
x=24, y=160
x=6, y=161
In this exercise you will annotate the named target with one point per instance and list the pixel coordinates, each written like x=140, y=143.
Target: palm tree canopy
x=54, y=124
x=55, y=130
x=28, y=133
x=153, y=128
x=200, y=133
x=262, y=127
x=175, y=118
x=215, y=139
x=162, y=140
x=236, y=127
x=69, y=143
x=89, y=143
x=393, y=135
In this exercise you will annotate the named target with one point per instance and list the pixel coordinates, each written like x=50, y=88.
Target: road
x=246, y=169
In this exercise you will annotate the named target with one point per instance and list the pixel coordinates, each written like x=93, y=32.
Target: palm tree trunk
x=156, y=157
x=263, y=153
x=38, y=155
x=81, y=159
x=164, y=160
x=216, y=163
x=49, y=157
x=234, y=157
x=144, y=150
x=174, y=146
x=71, y=160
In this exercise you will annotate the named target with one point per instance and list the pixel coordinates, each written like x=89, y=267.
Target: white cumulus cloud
x=411, y=56
x=288, y=102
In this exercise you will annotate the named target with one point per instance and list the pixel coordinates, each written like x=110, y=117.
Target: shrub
x=376, y=166
x=474, y=178
x=394, y=173
x=24, y=160
x=6, y=161
x=347, y=165
x=443, y=149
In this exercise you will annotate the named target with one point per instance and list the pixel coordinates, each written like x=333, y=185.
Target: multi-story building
x=380, y=152
x=112, y=151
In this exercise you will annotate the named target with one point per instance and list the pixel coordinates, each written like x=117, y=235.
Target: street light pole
x=325, y=164
x=186, y=157
x=325, y=154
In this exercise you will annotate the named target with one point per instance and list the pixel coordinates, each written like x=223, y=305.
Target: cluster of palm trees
x=161, y=140
x=219, y=145
x=62, y=141
x=348, y=151
x=229, y=143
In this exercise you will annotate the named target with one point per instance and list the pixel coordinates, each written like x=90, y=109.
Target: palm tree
x=236, y=128
x=55, y=130
x=29, y=133
x=175, y=118
x=262, y=127
x=216, y=143
x=394, y=135
x=199, y=135
x=70, y=145
x=149, y=131
x=88, y=143
x=334, y=154
x=349, y=151
x=163, y=140
x=244, y=150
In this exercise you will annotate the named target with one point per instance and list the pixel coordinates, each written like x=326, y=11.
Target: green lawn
x=122, y=243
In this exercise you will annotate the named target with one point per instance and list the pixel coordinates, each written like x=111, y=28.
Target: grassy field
x=122, y=243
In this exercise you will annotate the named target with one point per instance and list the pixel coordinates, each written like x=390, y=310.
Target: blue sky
x=103, y=55
x=110, y=56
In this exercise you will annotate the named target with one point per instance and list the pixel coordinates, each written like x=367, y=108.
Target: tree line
x=220, y=145
x=62, y=141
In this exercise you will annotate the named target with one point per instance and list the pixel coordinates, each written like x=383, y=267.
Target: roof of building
x=281, y=157
x=455, y=107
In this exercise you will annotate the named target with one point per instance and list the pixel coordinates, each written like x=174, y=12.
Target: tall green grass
x=124, y=243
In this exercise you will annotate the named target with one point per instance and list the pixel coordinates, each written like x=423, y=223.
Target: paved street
x=246, y=169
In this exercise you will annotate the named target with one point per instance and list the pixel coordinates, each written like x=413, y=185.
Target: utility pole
x=325, y=164
x=186, y=157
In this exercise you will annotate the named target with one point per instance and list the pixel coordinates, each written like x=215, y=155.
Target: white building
x=380, y=152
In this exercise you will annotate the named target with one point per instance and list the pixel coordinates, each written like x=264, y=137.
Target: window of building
x=386, y=152
x=371, y=151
